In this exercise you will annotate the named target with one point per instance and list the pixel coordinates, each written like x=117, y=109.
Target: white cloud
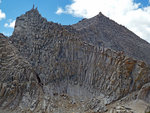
x=59, y=11
x=2, y=14
x=10, y=24
x=125, y=12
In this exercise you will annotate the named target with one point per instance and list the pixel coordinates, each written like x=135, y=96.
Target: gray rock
x=44, y=59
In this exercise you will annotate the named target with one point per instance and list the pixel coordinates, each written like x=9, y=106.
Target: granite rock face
x=71, y=64
x=18, y=81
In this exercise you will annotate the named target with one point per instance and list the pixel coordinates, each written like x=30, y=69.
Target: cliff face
x=68, y=61
x=18, y=80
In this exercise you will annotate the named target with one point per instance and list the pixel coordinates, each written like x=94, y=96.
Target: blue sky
x=143, y=2
x=134, y=14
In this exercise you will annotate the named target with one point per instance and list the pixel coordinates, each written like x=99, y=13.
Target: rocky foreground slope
x=50, y=68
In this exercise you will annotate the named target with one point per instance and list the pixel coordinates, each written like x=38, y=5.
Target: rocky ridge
x=67, y=64
x=102, y=31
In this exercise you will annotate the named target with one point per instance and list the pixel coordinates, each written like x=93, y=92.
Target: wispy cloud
x=10, y=24
x=59, y=11
x=125, y=12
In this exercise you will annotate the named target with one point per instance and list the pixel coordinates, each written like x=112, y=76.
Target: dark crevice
x=38, y=78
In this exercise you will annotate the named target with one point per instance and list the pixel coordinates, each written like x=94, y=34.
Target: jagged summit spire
x=26, y=20
x=33, y=6
x=34, y=10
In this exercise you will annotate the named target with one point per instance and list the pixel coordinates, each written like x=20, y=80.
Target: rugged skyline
x=134, y=14
x=88, y=67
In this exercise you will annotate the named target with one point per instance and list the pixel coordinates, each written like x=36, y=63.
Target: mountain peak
x=33, y=12
x=117, y=37
x=100, y=14
x=29, y=20
x=33, y=6
x=85, y=67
